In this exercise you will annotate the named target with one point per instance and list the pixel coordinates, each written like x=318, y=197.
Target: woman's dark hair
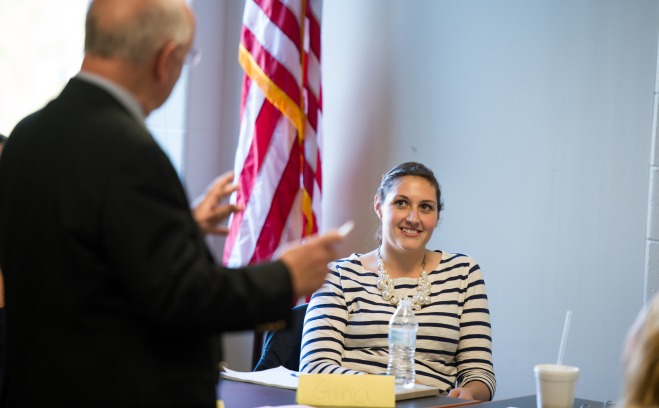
x=3, y=138
x=391, y=177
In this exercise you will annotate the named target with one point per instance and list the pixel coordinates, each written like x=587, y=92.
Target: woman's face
x=409, y=213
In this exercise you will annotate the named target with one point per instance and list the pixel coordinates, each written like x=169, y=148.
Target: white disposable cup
x=555, y=385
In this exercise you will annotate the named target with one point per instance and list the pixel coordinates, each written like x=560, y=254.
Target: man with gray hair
x=112, y=297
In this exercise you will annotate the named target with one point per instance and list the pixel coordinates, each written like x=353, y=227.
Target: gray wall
x=537, y=117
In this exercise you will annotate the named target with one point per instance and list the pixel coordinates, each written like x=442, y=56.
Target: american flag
x=278, y=164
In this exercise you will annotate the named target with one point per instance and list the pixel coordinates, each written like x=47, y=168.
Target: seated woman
x=346, y=325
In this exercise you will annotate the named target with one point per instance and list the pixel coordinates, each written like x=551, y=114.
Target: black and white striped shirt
x=346, y=325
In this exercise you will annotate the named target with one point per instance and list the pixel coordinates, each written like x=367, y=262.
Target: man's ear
x=164, y=60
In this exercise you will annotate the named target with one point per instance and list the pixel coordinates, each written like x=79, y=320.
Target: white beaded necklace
x=389, y=292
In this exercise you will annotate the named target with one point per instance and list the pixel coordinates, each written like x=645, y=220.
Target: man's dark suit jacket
x=113, y=299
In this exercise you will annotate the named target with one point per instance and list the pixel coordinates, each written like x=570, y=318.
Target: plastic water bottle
x=402, y=343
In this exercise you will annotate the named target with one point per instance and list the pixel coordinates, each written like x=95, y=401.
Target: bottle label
x=402, y=337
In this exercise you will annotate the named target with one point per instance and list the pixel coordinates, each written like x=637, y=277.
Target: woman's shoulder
x=455, y=259
x=350, y=262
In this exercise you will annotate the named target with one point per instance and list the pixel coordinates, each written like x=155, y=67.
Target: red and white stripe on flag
x=278, y=165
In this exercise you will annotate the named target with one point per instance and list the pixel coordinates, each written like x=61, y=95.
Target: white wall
x=536, y=117
x=213, y=117
x=652, y=242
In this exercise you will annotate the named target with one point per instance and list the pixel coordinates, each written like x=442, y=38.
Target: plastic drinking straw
x=566, y=329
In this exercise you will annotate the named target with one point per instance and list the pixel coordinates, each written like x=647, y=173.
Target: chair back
x=282, y=347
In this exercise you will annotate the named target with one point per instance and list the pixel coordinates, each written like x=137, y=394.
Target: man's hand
x=307, y=262
x=208, y=209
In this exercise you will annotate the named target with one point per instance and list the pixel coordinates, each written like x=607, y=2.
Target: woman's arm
x=474, y=358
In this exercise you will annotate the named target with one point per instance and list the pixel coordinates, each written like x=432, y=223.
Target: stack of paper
x=275, y=377
x=284, y=378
